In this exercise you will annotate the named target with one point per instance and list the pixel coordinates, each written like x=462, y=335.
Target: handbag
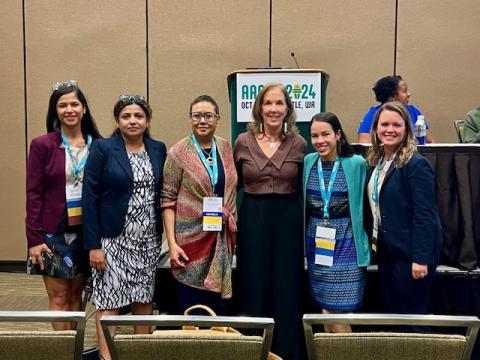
x=213, y=331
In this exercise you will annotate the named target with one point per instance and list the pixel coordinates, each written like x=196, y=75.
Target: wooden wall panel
x=12, y=136
x=438, y=55
x=352, y=40
x=99, y=44
x=193, y=47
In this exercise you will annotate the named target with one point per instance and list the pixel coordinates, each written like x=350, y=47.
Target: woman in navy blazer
x=123, y=179
x=406, y=229
x=55, y=165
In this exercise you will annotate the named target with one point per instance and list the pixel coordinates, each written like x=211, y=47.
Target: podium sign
x=304, y=89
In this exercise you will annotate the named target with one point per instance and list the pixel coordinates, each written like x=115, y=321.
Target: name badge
x=74, y=203
x=212, y=213
x=324, y=245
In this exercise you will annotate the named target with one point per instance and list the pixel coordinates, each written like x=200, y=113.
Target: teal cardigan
x=355, y=170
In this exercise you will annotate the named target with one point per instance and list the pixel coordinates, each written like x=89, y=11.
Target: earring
x=261, y=128
x=285, y=127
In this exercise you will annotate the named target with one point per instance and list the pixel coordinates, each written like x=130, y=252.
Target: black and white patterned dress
x=132, y=257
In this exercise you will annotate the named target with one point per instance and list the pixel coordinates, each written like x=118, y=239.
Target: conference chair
x=389, y=345
x=188, y=344
x=459, y=129
x=16, y=344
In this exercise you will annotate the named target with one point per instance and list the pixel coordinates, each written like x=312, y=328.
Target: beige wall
x=439, y=55
x=12, y=134
x=337, y=37
x=194, y=45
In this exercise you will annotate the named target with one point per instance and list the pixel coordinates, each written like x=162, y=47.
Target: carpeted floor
x=24, y=292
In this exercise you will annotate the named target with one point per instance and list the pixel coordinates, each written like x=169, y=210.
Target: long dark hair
x=87, y=124
x=125, y=100
x=343, y=146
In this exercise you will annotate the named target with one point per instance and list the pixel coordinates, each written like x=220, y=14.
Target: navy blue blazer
x=411, y=224
x=108, y=186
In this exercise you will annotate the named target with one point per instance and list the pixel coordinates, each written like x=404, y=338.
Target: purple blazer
x=46, y=198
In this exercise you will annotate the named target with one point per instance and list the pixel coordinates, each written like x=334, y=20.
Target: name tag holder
x=324, y=244
x=73, y=194
x=212, y=213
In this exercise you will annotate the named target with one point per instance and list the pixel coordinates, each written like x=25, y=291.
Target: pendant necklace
x=272, y=144
x=208, y=155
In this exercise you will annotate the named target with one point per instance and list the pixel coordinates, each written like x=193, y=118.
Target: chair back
x=189, y=344
x=31, y=343
x=390, y=345
x=459, y=129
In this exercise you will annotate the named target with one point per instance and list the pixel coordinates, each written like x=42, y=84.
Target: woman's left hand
x=419, y=271
x=97, y=259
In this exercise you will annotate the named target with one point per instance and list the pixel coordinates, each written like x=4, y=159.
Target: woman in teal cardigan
x=336, y=243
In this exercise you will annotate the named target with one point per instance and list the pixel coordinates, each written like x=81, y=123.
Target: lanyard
x=378, y=169
x=77, y=168
x=327, y=194
x=212, y=168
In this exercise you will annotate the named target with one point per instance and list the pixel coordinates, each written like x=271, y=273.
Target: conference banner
x=304, y=90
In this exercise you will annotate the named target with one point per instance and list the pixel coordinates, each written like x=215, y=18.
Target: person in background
x=269, y=159
x=389, y=88
x=123, y=227
x=471, y=127
x=337, y=246
x=406, y=229
x=200, y=178
x=54, y=188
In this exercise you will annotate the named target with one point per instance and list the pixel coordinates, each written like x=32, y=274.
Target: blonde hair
x=407, y=146
x=257, y=116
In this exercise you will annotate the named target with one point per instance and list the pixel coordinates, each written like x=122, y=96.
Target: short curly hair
x=386, y=88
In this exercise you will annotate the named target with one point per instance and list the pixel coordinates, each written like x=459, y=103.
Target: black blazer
x=108, y=186
x=411, y=225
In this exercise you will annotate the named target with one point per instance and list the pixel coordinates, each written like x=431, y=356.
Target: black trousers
x=270, y=264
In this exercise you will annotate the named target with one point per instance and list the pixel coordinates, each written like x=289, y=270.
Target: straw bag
x=213, y=331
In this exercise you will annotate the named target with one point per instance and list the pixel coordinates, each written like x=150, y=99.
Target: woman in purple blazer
x=54, y=187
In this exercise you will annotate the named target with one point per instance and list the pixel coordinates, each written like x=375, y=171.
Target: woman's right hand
x=97, y=259
x=178, y=258
x=35, y=254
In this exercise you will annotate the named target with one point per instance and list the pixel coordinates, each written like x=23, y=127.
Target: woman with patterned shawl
x=198, y=202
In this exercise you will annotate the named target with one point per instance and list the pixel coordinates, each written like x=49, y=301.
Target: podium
x=306, y=87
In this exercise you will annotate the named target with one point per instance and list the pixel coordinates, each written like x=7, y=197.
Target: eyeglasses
x=132, y=99
x=63, y=84
x=208, y=116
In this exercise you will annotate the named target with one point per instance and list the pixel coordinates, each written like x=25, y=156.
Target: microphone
x=292, y=54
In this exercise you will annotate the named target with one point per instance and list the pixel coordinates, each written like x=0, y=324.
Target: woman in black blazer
x=123, y=179
x=405, y=228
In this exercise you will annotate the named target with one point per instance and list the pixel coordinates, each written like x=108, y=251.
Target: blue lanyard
x=378, y=169
x=77, y=168
x=327, y=194
x=212, y=168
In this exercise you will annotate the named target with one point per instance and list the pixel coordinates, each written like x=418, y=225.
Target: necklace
x=208, y=155
x=272, y=143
